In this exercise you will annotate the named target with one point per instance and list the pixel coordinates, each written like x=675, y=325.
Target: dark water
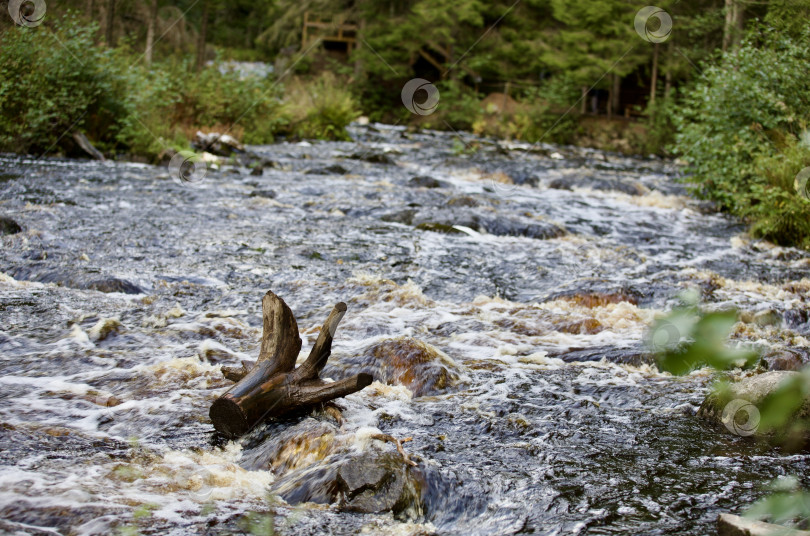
x=127, y=290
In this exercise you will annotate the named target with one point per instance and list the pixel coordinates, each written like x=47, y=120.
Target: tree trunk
x=89, y=8
x=109, y=30
x=668, y=74
x=150, y=31
x=272, y=387
x=201, y=37
x=583, y=99
x=732, y=30
x=654, y=77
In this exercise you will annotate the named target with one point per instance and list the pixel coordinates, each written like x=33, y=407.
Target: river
x=127, y=290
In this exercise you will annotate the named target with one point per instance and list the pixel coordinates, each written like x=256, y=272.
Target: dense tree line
x=721, y=83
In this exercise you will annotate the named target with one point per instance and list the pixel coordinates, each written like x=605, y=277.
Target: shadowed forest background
x=726, y=89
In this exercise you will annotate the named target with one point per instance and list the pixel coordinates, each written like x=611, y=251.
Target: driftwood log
x=271, y=387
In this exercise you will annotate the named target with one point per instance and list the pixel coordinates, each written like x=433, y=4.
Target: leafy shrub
x=739, y=127
x=321, y=108
x=51, y=83
x=458, y=108
x=777, y=212
x=552, y=116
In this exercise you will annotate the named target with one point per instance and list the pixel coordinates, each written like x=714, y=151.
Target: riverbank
x=61, y=104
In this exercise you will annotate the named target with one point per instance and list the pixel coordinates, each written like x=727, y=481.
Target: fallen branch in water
x=271, y=387
x=398, y=443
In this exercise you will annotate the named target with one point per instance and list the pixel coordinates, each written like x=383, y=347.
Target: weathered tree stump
x=271, y=387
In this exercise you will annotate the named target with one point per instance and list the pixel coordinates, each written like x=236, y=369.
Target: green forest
x=138, y=78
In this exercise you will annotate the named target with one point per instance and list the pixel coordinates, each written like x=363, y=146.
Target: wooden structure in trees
x=335, y=30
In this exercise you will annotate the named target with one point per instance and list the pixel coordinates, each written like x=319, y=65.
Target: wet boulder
x=465, y=215
x=424, y=181
x=373, y=157
x=597, y=183
x=375, y=483
x=737, y=409
x=783, y=359
x=265, y=193
x=334, y=169
x=420, y=367
x=216, y=143
x=371, y=482
x=501, y=226
x=9, y=226
x=112, y=284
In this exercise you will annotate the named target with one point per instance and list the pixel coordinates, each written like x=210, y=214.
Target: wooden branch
x=320, y=353
x=271, y=387
x=398, y=443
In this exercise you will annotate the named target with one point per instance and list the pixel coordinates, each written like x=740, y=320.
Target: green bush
x=321, y=108
x=51, y=83
x=459, y=107
x=551, y=116
x=739, y=127
x=57, y=79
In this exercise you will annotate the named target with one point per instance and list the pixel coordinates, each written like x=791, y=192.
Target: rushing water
x=550, y=418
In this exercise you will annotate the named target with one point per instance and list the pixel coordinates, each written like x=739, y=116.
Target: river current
x=531, y=273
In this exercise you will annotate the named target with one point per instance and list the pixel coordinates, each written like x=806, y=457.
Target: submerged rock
x=424, y=181
x=370, y=483
x=9, y=226
x=598, y=183
x=465, y=215
x=420, y=367
x=112, y=284
x=334, y=169
x=378, y=483
x=373, y=157
x=267, y=194
x=783, y=359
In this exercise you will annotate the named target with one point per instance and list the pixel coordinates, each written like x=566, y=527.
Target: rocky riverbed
x=498, y=292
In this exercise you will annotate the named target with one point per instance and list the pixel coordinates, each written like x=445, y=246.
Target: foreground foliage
x=743, y=129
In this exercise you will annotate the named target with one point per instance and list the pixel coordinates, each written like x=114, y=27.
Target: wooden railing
x=336, y=30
